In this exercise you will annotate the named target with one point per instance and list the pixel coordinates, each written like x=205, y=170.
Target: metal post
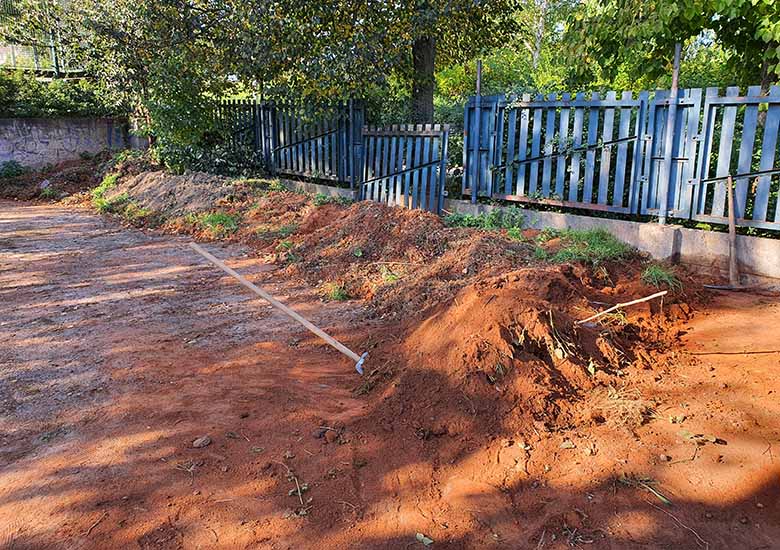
x=665, y=177
x=476, y=161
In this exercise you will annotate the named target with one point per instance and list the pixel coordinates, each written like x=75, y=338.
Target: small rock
x=743, y=520
x=289, y=455
x=202, y=442
x=759, y=505
x=319, y=433
x=708, y=515
x=331, y=436
x=45, y=184
x=664, y=458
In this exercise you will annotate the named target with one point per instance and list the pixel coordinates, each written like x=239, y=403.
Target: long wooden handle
x=618, y=306
x=278, y=305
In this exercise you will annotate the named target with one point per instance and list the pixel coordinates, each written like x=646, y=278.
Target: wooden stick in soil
x=618, y=306
x=359, y=359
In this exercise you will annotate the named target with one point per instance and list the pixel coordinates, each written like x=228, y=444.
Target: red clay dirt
x=496, y=423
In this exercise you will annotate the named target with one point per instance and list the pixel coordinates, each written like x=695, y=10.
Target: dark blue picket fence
x=398, y=165
x=616, y=153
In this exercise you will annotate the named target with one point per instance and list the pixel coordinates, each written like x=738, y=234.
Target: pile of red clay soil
x=403, y=261
x=507, y=356
x=64, y=179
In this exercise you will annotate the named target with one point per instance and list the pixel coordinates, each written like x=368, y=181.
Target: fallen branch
x=699, y=541
x=626, y=304
x=91, y=527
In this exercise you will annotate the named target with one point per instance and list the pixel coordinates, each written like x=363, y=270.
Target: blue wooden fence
x=612, y=152
x=406, y=165
x=323, y=145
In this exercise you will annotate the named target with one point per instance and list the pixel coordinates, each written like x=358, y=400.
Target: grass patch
x=50, y=193
x=12, y=169
x=220, y=224
x=512, y=219
x=591, y=246
x=321, y=199
x=660, y=276
x=388, y=275
x=279, y=232
x=336, y=292
x=98, y=194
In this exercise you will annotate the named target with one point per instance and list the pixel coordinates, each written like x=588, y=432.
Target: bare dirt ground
x=118, y=348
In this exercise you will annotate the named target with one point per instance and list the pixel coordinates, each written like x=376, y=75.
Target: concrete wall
x=759, y=258
x=315, y=188
x=36, y=142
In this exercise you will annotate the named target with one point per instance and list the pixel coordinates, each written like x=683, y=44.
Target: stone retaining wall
x=37, y=142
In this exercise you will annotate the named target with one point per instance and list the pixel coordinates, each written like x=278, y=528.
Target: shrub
x=12, y=169
x=505, y=218
x=99, y=200
x=221, y=224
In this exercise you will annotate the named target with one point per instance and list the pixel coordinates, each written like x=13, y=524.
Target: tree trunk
x=423, y=81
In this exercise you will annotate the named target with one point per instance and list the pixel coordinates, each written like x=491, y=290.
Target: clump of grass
x=590, y=245
x=98, y=194
x=283, y=231
x=220, y=224
x=321, y=199
x=12, y=169
x=660, y=276
x=388, y=275
x=49, y=193
x=335, y=291
x=511, y=219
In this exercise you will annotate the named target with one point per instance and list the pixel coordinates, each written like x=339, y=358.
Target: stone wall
x=37, y=142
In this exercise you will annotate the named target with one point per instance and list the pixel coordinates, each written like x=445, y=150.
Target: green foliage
x=388, y=275
x=99, y=200
x=12, y=169
x=642, y=33
x=321, y=199
x=49, y=193
x=21, y=95
x=506, y=218
x=112, y=205
x=659, y=276
x=220, y=224
x=336, y=291
x=592, y=246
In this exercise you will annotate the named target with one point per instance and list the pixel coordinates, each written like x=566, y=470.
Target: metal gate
x=405, y=165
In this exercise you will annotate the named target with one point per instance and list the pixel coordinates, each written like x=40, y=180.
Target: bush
x=12, y=169
x=21, y=95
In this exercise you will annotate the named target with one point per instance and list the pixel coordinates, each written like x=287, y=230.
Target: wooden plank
x=724, y=153
x=606, y=151
x=418, y=143
x=510, y=151
x=574, y=178
x=768, y=149
x=590, y=154
x=549, y=139
x=622, y=153
x=425, y=176
x=408, y=160
x=563, y=145
x=467, y=137
x=536, y=141
x=705, y=151
x=392, y=169
x=522, y=149
x=689, y=152
x=433, y=181
x=747, y=143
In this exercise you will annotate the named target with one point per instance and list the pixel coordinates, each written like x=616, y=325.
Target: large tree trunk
x=423, y=81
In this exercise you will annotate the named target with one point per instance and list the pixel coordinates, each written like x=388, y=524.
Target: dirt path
x=119, y=348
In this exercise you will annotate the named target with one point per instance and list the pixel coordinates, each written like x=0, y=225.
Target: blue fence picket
x=590, y=154
x=520, y=185
x=745, y=161
x=622, y=151
x=606, y=149
x=510, y=152
x=549, y=140
x=536, y=142
x=574, y=177
x=768, y=152
x=563, y=144
x=724, y=153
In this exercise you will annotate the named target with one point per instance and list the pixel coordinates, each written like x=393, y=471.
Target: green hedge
x=21, y=95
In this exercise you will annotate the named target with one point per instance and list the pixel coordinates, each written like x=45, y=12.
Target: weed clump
x=220, y=224
x=321, y=199
x=592, y=246
x=660, y=276
x=511, y=219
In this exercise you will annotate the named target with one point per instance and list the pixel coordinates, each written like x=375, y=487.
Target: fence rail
x=624, y=153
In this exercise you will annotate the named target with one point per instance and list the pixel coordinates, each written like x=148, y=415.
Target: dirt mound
x=403, y=261
x=176, y=195
x=507, y=353
x=66, y=178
